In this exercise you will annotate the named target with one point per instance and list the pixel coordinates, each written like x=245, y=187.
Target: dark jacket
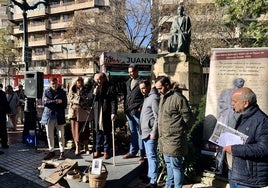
x=174, y=120
x=52, y=108
x=250, y=161
x=4, y=106
x=133, y=98
x=108, y=98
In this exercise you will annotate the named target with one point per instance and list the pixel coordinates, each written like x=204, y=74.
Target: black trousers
x=3, y=131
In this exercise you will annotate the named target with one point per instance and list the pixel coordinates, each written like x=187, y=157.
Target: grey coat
x=149, y=114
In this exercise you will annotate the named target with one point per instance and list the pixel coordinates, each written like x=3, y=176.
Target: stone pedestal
x=183, y=69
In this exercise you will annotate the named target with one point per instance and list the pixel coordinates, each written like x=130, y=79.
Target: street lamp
x=24, y=6
x=30, y=103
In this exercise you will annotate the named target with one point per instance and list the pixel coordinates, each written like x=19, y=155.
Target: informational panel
x=226, y=65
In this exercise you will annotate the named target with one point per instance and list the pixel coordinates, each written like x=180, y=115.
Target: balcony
x=41, y=56
x=31, y=14
x=34, y=42
x=59, y=56
x=32, y=28
x=60, y=25
x=40, y=42
x=69, y=7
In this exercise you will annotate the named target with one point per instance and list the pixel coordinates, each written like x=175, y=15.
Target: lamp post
x=30, y=103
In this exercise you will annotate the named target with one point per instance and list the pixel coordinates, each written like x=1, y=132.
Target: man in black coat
x=133, y=103
x=104, y=98
x=4, y=109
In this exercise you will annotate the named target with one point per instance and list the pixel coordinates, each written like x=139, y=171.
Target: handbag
x=9, y=123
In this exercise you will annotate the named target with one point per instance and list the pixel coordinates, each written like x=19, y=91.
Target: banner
x=250, y=64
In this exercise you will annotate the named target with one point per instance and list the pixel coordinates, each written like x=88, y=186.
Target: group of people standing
x=12, y=108
x=152, y=119
x=95, y=103
x=158, y=117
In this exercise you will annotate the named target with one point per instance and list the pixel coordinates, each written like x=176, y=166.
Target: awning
x=124, y=73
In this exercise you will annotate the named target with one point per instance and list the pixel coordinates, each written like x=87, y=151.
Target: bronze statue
x=180, y=33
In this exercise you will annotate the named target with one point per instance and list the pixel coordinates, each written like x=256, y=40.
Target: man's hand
x=152, y=137
x=228, y=149
x=58, y=101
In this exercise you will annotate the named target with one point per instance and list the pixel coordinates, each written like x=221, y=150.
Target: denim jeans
x=237, y=185
x=103, y=139
x=151, y=153
x=135, y=138
x=174, y=172
x=231, y=183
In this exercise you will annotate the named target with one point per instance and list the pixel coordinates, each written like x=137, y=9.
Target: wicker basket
x=98, y=181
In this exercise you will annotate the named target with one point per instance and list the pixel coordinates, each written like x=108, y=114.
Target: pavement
x=21, y=166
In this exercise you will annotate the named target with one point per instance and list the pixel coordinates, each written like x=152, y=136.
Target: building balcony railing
x=59, y=56
x=41, y=56
x=32, y=28
x=31, y=14
x=60, y=25
x=34, y=43
x=71, y=7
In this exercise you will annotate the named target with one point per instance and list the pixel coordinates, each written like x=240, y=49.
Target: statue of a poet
x=180, y=33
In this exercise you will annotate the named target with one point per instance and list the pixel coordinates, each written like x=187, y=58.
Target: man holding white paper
x=250, y=160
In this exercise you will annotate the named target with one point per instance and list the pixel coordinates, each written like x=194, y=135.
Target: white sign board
x=226, y=65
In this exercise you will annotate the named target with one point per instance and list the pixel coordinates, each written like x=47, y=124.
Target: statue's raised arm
x=180, y=33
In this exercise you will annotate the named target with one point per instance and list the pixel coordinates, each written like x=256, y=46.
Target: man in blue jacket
x=249, y=160
x=55, y=101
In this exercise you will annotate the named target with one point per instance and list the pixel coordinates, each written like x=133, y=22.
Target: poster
x=226, y=65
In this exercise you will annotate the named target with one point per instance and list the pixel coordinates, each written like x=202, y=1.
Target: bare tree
x=124, y=26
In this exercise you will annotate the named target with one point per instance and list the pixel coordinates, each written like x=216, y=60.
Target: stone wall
x=183, y=69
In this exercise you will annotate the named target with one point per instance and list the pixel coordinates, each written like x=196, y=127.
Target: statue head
x=239, y=82
x=180, y=10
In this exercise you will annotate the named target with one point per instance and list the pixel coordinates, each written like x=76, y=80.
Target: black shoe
x=150, y=185
x=145, y=179
x=49, y=156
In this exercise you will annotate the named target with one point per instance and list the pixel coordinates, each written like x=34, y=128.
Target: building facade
x=51, y=54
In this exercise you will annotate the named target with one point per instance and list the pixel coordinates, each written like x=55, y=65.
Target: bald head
x=100, y=78
x=242, y=98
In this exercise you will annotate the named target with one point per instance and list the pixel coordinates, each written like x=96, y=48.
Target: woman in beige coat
x=78, y=114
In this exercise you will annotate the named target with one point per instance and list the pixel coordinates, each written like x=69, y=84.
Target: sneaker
x=61, y=156
x=129, y=155
x=49, y=156
x=150, y=185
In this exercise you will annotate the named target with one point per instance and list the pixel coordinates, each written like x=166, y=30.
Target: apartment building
x=46, y=26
